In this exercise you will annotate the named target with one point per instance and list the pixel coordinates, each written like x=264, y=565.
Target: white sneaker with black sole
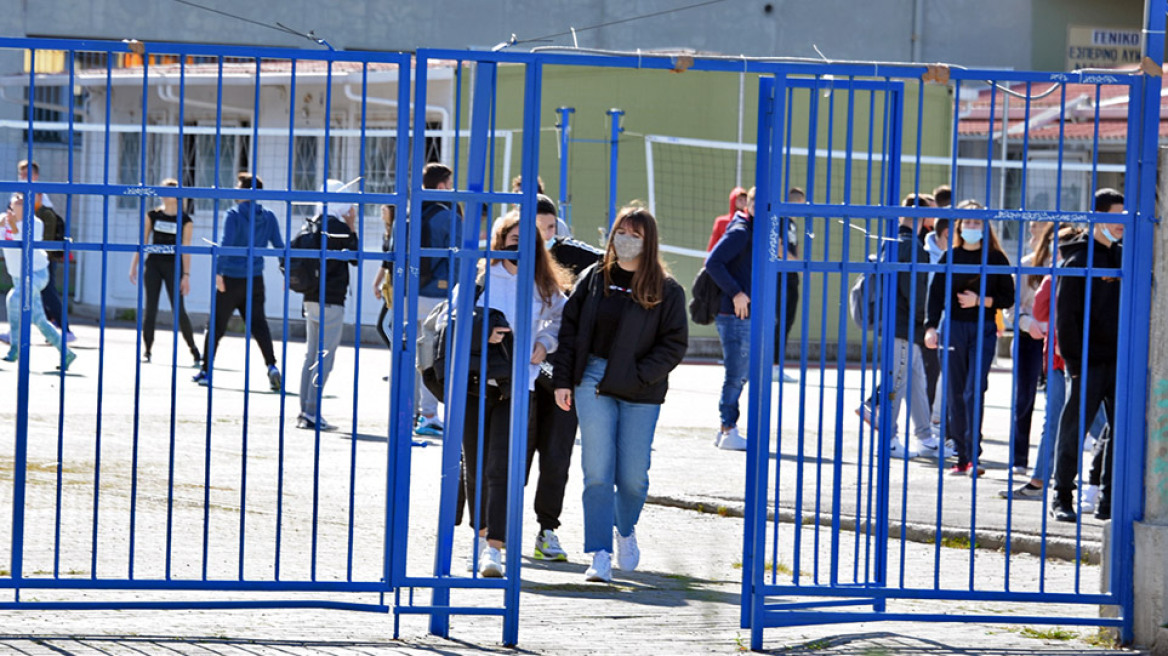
x=601, y=569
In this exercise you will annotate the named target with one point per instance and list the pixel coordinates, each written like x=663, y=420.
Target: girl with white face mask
x=624, y=329
x=967, y=314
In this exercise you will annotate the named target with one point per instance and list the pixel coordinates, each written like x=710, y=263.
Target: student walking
x=324, y=324
x=970, y=320
x=624, y=329
x=246, y=223
x=163, y=228
x=553, y=430
x=730, y=266
x=10, y=229
x=501, y=295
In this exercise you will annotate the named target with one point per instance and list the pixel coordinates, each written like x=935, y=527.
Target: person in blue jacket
x=245, y=224
x=729, y=264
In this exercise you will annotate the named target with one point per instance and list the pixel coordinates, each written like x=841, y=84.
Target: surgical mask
x=971, y=235
x=627, y=247
x=549, y=243
x=1108, y=236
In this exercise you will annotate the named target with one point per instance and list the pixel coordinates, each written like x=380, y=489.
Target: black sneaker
x=1063, y=511
x=274, y=378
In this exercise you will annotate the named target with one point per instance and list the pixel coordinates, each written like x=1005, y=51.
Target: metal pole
x=565, y=128
x=614, y=132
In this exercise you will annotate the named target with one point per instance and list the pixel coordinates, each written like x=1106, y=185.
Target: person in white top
x=39, y=273
x=500, y=287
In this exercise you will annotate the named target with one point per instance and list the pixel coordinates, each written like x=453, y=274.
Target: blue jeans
x=616, y=440
x=735, y=336
x=40, y=279
x=1056, y=398
x=969, y=373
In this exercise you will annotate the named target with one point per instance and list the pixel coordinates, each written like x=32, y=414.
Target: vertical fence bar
x=770, y=105
x=565, y=126
x=615, y=130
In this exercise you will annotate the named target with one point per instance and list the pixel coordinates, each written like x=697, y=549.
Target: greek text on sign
x=1094, y=47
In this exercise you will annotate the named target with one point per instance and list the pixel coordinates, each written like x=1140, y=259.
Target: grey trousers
x=312, y=380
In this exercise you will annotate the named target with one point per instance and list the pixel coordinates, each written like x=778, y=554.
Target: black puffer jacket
x=1071, y=297
x=649, y=343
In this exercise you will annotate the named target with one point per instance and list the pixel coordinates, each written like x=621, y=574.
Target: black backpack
x=705, y=299
x=303, y=270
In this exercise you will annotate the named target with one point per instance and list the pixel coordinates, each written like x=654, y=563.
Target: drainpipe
x=373, y=100
x=918, y=28
x=166, y=94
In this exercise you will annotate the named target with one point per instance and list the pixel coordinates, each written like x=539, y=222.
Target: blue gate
x=852, y=549
x=225, y=501
x=136, y=477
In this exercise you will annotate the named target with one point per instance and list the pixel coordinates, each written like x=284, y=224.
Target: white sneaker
x=929, y=447
x=718, y=438
x=628, y=554
x=491, y=563
x=950, y=448
x=1089, y=499
x=601, y=569
x=1019, y=470
x=781, y=376
x=547, y=546
x=898, y=450
x=732, y=441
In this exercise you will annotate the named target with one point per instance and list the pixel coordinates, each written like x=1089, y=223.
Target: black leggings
x=381, y=325
x=235, y=299
x=160, y=269
x=493, y=495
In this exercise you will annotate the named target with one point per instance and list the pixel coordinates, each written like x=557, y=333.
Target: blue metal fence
x=155, y=482
x=844, y=558
x=847, y=556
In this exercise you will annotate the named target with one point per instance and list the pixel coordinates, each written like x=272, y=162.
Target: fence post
x=565, y=126
x=615, y=132
x=1151, y=533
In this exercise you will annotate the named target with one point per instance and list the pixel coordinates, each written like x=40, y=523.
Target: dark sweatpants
x=792, y=291
x=1099, y=389
x=235, y=299
x=552, y=435
x=1027, y=371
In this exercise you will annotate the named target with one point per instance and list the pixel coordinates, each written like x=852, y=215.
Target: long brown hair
x=1042, y=254
x=550, y=277
x=649, y=278
x=990, y=238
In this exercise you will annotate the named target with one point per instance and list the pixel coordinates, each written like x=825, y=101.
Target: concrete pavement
x=683, y=599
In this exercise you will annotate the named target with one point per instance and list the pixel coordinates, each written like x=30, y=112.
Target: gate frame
x=109, y=191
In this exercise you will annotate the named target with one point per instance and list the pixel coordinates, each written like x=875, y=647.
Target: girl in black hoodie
x=971, y=317
x=624, y=329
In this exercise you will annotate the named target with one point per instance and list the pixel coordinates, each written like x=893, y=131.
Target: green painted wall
x=691, y=190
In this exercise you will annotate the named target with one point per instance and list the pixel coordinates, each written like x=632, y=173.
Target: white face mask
x=548, y=243
x=627, y=247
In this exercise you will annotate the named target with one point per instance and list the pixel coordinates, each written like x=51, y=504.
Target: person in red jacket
x=739, y=201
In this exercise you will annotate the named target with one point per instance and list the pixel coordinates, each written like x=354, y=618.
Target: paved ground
x=316, y=508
